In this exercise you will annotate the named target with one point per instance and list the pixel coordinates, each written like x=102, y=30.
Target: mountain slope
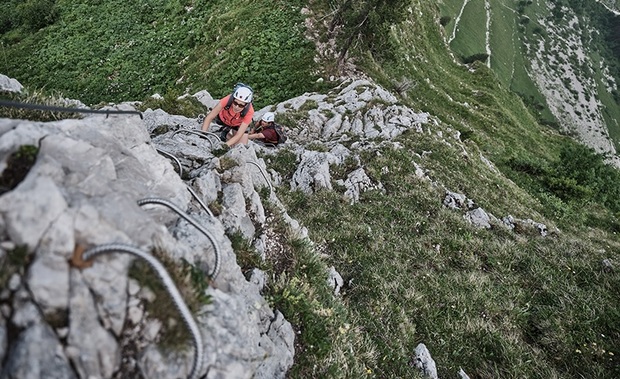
x=497, y=302
x=554, y=54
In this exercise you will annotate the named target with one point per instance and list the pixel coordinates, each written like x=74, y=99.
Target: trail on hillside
x=457, y=20
x=487, y=42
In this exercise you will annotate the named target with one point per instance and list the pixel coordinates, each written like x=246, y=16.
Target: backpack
x=282, y=136
x=231, y=99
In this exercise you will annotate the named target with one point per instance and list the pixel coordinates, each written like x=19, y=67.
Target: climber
x=266, y=130
x=234, y=114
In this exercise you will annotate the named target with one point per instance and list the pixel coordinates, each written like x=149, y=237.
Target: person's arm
x=238, y=136
x=256, y=136
x=210, y=117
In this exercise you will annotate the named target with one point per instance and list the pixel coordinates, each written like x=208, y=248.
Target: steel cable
x=163, y=152
x=200, y=201
x=155, y=200
x=16, y=104
x=202, y=134
x=170, y=287
x=263, y=173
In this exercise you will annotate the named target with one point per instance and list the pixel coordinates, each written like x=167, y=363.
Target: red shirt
x=270, y=135
x=232, y=118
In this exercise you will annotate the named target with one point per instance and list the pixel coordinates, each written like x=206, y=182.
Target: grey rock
x=607, y=265
x=258, y=278
x=208, y=186
x=36, y=354
x=10, y=85
x=154, y=365
x=312, y=172
x=5, y=310
x=99, y=354
x=14, y=282
x=3, y=338
x=358, y=182
x=25, y=312
x=206, y=99
x=158, y=117
x=424, y=362
x=334, y=280
x=479, y=218
x=48, y=280
x=89, y=175
x=463, y=374
x=29, y=212
x=235, y=217
x=454, y=200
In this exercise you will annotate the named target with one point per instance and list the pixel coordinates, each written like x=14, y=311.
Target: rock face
x=83, y=190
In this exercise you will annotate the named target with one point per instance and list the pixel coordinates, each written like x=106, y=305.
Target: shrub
x=482, y=57
x=445, y=20
x=37, y=14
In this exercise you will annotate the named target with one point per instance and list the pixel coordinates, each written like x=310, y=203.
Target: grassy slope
x=496, y=303
x=510, y=31
x=131, y=50
x=470, y=36
x=503, y=44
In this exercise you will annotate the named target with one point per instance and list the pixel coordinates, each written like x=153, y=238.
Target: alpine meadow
x=524, y=101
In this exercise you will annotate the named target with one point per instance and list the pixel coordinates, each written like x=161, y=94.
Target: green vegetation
x=131, y=50
x=191, y=283
x=13, y=262
x=36, y=97
x=515, y=24
x=471, y=41
x=499, y=303
x=172, y=103
x=18, y=165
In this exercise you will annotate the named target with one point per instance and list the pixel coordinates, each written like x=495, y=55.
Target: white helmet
x=244, y=94
x=269, y=117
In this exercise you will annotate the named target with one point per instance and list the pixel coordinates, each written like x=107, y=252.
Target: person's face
x=238, y=105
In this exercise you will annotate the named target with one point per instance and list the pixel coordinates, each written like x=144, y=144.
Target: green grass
x=504, y=46
x=498, y=303
x=470, y=37
x=493, y=302
x=191, y=283
x=132, y=50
